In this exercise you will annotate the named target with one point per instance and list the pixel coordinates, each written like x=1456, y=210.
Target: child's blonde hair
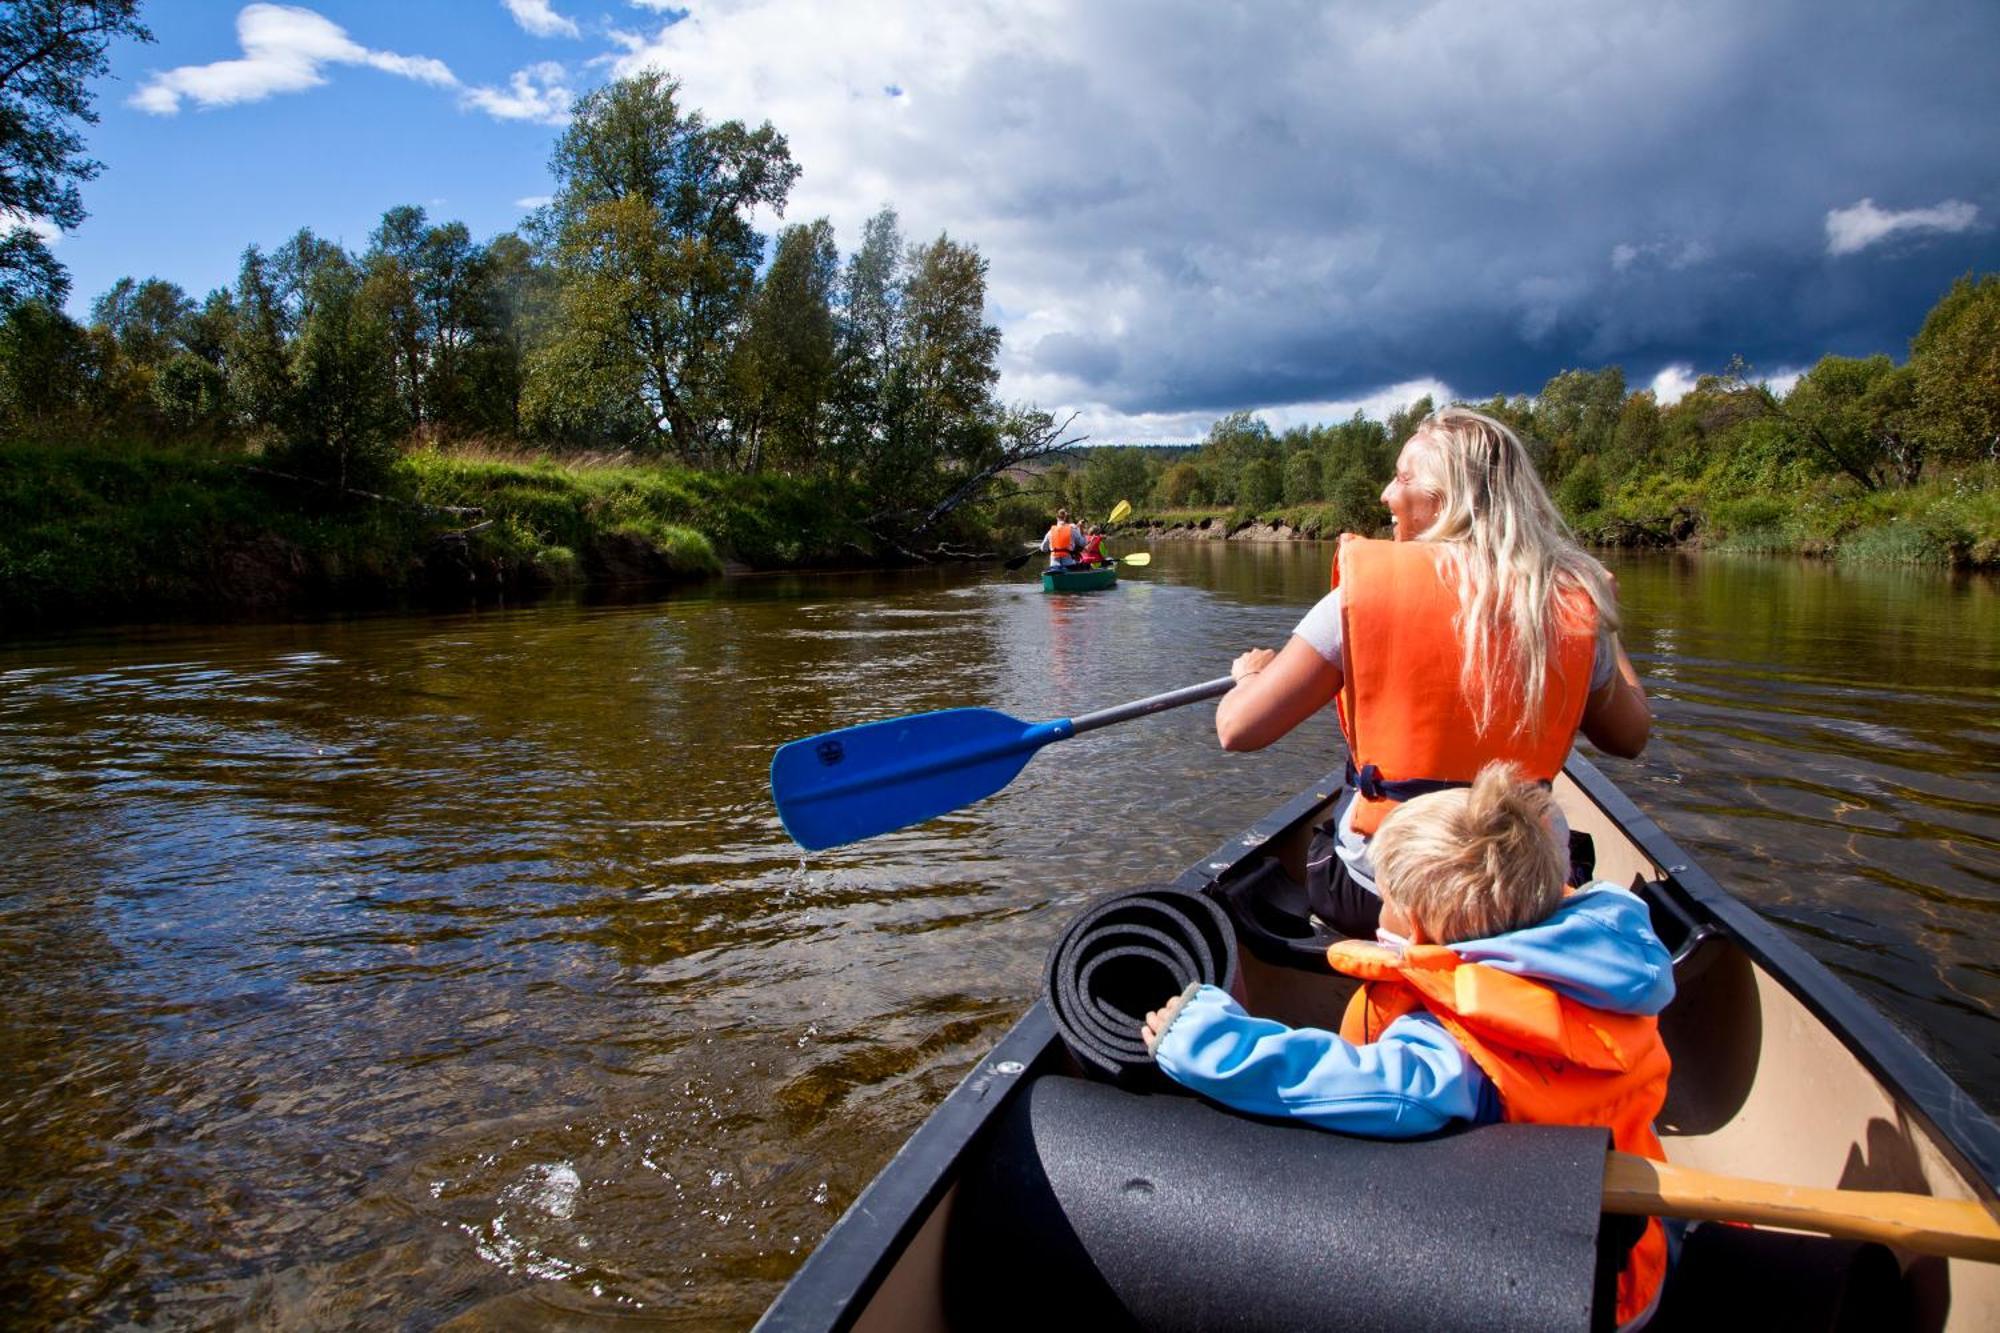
x=1474, y=861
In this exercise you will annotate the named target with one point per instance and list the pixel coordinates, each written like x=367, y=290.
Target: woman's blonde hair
x=1515, y=563
x=1473, y=862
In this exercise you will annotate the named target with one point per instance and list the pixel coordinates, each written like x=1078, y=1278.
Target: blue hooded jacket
x=1598, y=948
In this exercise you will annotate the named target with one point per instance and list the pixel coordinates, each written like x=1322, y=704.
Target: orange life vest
x=1406, y=718
x=1553, y=1061
x=1061, y=541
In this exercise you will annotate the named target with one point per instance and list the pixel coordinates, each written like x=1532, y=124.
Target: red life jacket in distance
x=1400, y=702
x=1093, y=549
x=1553, y=1060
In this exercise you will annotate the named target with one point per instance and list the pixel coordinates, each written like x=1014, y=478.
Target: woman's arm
x=1274, y=693
x=1615, y=717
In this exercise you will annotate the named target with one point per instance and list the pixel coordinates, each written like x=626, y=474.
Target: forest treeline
x=638, y=383
x=638, y=314
x=1861, y=457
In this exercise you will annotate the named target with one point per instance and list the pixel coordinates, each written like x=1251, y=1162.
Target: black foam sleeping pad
x=1125, y=954
x=1094, y=1207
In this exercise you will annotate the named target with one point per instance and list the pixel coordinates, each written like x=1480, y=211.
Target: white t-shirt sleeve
x=1321, y=627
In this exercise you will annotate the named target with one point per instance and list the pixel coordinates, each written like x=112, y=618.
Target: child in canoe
x=1491, y=995
x=1093, y=547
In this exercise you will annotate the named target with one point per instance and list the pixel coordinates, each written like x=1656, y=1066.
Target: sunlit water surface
x=401, y=969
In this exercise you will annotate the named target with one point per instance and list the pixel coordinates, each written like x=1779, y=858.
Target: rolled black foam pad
x=1094, y=1207
x=1127, y=953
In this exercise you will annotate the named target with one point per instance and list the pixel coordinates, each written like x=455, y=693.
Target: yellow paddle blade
x=1142, y=558
x=1120, y=512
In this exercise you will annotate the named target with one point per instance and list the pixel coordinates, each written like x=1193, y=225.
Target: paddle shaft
x=1159, y=703
x=1959, y=1228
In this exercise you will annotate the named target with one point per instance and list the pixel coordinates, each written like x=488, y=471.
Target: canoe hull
x=1079, y=580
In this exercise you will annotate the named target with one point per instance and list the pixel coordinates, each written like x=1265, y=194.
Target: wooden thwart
x=1960, y=1228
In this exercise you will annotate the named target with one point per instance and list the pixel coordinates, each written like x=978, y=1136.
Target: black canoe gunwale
x=834, y=1285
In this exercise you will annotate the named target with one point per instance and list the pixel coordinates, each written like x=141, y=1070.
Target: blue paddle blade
x=842, y=786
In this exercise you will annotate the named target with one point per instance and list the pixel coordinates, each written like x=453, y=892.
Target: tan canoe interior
x=1760, y=1089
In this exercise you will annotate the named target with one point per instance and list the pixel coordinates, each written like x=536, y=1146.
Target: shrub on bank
x=113, y=531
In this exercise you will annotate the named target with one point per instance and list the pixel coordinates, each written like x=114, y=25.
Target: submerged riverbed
x=395, y=969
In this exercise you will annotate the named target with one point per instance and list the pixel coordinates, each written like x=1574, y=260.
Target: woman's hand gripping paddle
x=842, y=786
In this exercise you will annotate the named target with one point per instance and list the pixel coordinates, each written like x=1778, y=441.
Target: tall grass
x=112, y=531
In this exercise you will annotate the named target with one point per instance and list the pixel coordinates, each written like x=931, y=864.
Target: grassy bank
x=1949, y=521
x=102, y=533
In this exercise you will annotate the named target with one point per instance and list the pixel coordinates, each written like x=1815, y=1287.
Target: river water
x=405, y=969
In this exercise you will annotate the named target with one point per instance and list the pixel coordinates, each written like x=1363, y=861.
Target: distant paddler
x=1063, y=541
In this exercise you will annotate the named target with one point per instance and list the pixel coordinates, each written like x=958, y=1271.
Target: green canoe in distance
x=1079, y=580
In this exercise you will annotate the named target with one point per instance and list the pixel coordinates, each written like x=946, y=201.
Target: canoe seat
x=1272, y=922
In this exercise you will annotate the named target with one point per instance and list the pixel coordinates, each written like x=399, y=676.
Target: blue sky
x=1293, y=206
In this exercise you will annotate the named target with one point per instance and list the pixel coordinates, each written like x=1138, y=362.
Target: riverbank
x=1951, y=521
x=107, y=533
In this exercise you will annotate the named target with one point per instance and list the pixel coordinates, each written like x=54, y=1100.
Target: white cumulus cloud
x=1864, y=224
x=540, y=19
x=284, y=51
x=10, y=219
x=1672, y=384
x=540, y=92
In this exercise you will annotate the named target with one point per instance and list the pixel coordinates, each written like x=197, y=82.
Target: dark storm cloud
x=1194, y=208
x=1489, y=195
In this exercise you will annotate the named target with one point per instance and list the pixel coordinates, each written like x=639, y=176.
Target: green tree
x=48, y=373
x=519, y=292
x=435, y=291
x=1303, y=482
x=1111, y=475
x=341, y=414
x=656, y=256
x=1359, y=448
x=948, y=357
x=148, y=319
x=785, y=361
x=1576, y=416
x=1636, y=440
x=1405, y=420
x=1356, y=502
x=310, y=362
x=51, y=52
x=1955, y=365
x=1180, y=486
x=868, y=325
x=1853, y=415
x=1260, y=485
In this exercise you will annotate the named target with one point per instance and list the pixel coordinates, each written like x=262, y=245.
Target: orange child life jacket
x=1061, y=540
x=1405, y=716
x=1553, y=1061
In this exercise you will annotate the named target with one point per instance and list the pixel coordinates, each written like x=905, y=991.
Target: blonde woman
x=1483, y=632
